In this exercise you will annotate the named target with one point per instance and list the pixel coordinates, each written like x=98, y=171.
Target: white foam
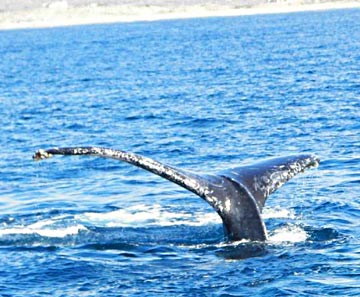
x=277, y=213
x=45, y=228
x=54, y=233
x=136, y=216
x=145, y=216
x=290, y=234
x=287, y=234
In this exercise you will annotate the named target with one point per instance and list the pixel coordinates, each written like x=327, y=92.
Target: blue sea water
x=199, y=94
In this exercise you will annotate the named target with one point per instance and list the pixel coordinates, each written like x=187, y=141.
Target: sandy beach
x=41, y=13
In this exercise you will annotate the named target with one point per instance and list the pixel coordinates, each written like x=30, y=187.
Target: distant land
x=51, y=13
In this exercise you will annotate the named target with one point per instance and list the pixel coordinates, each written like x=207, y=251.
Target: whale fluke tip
x=316, y=161
x=41, y=154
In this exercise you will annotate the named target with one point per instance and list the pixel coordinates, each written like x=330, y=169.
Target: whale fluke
x=238, y=194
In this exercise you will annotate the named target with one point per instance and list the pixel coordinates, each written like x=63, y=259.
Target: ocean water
x=199, y=94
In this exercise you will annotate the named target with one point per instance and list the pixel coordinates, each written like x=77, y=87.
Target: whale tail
x=238, y=194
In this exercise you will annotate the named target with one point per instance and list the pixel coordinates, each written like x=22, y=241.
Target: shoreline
x=62, y=15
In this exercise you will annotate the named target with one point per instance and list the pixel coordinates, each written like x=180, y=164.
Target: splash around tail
x=237, y=195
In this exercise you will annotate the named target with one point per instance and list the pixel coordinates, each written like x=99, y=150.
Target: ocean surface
x=199, y=94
